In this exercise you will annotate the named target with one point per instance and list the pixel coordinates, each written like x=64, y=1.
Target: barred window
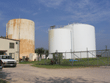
x=11, y=45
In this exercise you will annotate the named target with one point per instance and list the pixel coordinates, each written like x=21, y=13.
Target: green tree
x=46, y=53
x=40, y=51
x=2, y=37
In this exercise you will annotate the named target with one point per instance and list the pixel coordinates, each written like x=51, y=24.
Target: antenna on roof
x=19, y=27
x=19, y=16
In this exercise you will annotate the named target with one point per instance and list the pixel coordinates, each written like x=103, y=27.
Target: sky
x=46, y=13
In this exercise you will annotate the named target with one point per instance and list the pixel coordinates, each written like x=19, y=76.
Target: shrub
x=26, y=59
x=65, y=63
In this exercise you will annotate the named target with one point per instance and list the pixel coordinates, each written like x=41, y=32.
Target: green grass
x=28, y=62
x=36, y=62
x=91, y=62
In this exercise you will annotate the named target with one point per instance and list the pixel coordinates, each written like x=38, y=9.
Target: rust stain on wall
x=7, y=30
x=14, y=24
x=6, y=33
x=10, y=36
x=26, y=47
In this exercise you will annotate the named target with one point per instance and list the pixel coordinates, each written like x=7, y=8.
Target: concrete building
x=23, y=30
x=9, y=47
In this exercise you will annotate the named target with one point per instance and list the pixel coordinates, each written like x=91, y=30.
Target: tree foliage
x=2, y=37
x=41, y=51
x=46, y=53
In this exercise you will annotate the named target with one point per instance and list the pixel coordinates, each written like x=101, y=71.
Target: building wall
x=5, y=45
x=23, y=30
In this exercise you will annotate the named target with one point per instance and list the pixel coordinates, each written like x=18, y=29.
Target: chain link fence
x=83, y=58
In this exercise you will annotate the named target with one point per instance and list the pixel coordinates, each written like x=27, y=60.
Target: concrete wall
x=5, y=45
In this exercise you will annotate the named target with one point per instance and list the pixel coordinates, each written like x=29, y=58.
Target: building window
x=12, y=55
x=11, y=45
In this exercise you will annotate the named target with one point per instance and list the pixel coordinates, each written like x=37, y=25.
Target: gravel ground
x=24, y=73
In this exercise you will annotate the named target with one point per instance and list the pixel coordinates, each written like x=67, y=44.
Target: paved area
x=28, y=74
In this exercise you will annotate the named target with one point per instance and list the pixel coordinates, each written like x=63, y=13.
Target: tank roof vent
x=52, y=27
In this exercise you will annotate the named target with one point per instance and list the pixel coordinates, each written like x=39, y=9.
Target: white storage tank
x=81, y=38
x=84, y=39
x=59, y=40
x=23, y=30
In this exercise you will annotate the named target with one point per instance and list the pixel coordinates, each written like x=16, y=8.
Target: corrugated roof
x=3, y=50
x=10, y=39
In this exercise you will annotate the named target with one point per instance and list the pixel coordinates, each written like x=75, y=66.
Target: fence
x=83, y=58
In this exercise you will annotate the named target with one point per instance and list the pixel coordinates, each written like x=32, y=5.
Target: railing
x=83, y=58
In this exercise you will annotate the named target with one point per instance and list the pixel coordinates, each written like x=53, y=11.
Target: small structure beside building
x=33, y=57
x=43, y=56
x=10, y=47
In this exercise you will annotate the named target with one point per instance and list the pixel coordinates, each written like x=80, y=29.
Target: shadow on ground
x=3, y=76
x=9, y=67
x=66, y=80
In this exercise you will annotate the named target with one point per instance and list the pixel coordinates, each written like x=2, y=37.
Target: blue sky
x=46, y=13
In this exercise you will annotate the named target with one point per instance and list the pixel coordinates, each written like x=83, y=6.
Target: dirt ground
x=24, y=73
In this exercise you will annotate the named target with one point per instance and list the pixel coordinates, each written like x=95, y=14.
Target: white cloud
x=81, y=10
x=51, y=3
x=88, y=17
x=35, y=13
x=25, y=10
x=85, y=10
x=45, y=31
x=39, y=9
x=39, y=27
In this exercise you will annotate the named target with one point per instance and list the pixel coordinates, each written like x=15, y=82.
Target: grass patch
x=65, y=63
x=28, y=62
x=43, y=61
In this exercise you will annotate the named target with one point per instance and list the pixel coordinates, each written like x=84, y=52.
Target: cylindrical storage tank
x=84, y=39
x=23, y=30
x=59, y=40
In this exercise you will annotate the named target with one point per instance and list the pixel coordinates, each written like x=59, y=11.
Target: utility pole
x=19, y=37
